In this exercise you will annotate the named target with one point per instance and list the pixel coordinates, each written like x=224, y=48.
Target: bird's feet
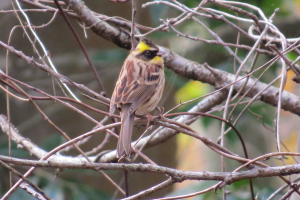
x=149, y=118
x=160, y=110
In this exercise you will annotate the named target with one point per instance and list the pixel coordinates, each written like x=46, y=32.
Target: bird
x=138, y=89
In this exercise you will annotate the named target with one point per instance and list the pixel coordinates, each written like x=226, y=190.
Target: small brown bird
x=138, y=90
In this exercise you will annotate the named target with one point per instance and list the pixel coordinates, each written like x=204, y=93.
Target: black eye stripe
x=149, y=54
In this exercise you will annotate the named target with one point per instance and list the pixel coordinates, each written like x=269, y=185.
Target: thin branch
x=96, y=75
x=40, y=192
x=151, y=190
x=41, y=45
x=230, y=177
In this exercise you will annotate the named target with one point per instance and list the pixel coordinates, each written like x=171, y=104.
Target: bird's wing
x=137, y=82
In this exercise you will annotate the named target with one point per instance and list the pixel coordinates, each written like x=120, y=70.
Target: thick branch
x=185, y=67
x=177, y=175
x=100, y=27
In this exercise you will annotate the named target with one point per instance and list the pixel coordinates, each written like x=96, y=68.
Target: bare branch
x=178, y=175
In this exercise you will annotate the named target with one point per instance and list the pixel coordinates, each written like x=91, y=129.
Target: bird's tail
x=124, y=142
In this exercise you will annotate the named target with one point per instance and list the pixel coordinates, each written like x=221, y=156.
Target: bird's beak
x=160, y=53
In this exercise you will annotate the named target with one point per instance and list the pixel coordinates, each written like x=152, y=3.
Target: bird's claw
x=160, y=110
x=149, y=118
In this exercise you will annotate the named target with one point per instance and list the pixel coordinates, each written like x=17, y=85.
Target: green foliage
x=292, y=55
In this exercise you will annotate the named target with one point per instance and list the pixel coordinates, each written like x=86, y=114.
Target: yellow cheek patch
x=142, y=46
x=158, y=59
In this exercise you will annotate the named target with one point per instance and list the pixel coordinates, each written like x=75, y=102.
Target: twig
x=133, y=24
x=281, y=188
x=41, y=192
x=241, y=11
x=44, y=67
x=168, y=182
x=290, y=192
x=81, y=46
x=41, y=44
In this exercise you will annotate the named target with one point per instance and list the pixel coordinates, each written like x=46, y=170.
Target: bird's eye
x=147, y=53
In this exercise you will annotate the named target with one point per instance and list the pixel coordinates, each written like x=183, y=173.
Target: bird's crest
x=146, y=44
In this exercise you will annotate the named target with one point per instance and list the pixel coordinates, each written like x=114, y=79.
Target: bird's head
x=148, y=51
